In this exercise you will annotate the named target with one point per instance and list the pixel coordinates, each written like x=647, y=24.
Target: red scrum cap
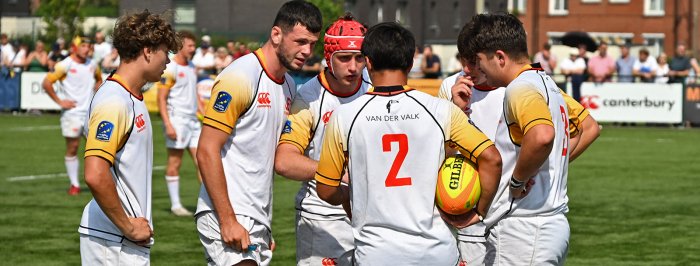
x=344, y=35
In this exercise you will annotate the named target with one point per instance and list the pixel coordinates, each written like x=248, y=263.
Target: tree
x=62, y=17
x=330, y=10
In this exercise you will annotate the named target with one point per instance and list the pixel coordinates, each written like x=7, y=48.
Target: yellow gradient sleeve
x=167, y=80
x=300, y=122
x=107, y=130
x=577, y=113
x=525, y=108
x=468, y=138
x=231, y=95
x=59, y=72
x=332, y=162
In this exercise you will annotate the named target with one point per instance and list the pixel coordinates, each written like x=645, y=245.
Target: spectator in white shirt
x=645, y=66
x=662, y=70
x=101, y=48
x=6, y=49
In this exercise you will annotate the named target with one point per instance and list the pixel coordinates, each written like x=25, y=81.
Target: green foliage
x=63, y=18
x=330, y=10
x=632, y=199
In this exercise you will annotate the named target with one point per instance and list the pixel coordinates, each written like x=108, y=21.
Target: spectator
x=101, y=48
x=645, y=67
x=680, y=65
x=58, y=53
x=416, y=72
x=111, y=61
x=17, y=61
x=204, y=59
x=231, y=48
x=6, y=49
x=37, y=60
x=662, y=70
x=601, y=66
x=222, y=60
x=431, y=63
x=624, y=65
x=574, y=67
x=547, y=60
x=455, y=65
x=582, y=54
x=242, y=50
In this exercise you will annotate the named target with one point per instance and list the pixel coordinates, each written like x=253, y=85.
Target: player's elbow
x=542, y=136
x=490, y=160
x=592, y=129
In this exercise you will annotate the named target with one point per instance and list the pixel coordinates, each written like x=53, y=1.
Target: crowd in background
x=16, y=57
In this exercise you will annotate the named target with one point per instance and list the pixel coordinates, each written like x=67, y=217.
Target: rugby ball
x=458, y=188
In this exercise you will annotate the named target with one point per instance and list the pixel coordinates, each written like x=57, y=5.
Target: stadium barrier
x=9, y=91
x=691, y=103
x=634, y=102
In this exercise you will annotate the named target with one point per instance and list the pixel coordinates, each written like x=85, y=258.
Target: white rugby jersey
x=181, y=81
x=252, y=106
x=393, y=142
x=78, y=82
x=311, y=111
x=120, y=131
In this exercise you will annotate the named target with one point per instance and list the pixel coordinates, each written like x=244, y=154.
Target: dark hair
x=389, y=46
x=644, y=51
x=298, y=12
x=547, y=46
x=486, y=33
x=134, y=32
x=183, y=34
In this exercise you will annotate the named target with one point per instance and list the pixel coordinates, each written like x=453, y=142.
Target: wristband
x=515, y=183
x=481, y=217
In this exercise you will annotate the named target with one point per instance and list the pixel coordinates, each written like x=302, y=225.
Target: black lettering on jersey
x=391, y=118
x=374, y=118
x=409, y=116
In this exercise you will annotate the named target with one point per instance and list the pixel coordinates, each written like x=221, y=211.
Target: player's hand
x=170, y=132
x=66, y=104
x=460, y=221
x=234, y=235
x=524, y=190
x=462, y=92
x=141, y=232
x=273, y=245
x=345, y=179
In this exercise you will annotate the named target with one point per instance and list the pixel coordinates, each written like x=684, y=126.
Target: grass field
x=632, y=195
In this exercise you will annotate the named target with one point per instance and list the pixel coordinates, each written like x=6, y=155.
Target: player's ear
x=147, y=54
x=368, y=64
x=276, y=35
x=501, y=56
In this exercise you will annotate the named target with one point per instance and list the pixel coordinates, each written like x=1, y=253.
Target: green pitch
x=633, y=200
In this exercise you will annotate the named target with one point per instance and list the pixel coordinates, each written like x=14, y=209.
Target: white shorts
x=98, y=251
x=72, y=125
x=187, y=130
x=538, y=240
x=319, y=241
x=218, y=253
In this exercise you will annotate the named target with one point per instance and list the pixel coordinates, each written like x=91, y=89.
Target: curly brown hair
x=133, y=32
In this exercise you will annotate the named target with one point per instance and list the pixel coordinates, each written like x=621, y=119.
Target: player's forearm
x=162, y=106
x=333, y=195
x=490, y=167
x=99, y=179
x=214, y=179
x=290, y=163
x=590, y=132
x=536, y=146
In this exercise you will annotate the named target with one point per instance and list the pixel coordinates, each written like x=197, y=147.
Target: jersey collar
x=119, y=80
x=533, y=66
x=324, y=83
x=389, y=90
x=261, y=58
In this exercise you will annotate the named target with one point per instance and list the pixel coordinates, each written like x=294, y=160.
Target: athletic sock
x=72, y=165
x=174, y=190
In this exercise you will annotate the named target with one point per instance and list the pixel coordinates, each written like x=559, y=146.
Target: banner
x=33, y=95
x=634, y=102
x=691, y=103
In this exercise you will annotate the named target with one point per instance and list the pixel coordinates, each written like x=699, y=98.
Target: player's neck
x=272, y=63
x=131, y=74
x=77, y=59
x=337, y=86
x=388, y=78
x=180, y=59
x=516, y=67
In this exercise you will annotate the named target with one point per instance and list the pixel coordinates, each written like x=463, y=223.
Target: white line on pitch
x=24, y=129
x=47, y=176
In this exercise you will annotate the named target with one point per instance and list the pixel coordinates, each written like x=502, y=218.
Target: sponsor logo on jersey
x=329, y=261
x=264, y=100
x=326, y=117
x=73, y=70
x=181, y=75
x=388, y=105
x=287, y=127
x=104, y=131
x=223, y=99
x=140, y=123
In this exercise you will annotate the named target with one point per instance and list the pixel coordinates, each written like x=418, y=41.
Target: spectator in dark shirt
x=431, y=63
x=679, y=67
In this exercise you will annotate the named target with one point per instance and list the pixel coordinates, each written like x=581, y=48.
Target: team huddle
x=366, y=147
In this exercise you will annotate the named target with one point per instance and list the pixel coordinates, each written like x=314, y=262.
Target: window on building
x=434, y=27
x=185, y=15
x=619, y=1
x=591, y=1
x=377, y=14
x=654, y=42
x=457, y=26
x=402, y=16
x=558, y=7
x=654, y=7
x=517, y=7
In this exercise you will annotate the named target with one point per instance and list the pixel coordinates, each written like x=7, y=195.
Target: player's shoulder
x=311, y=90
x=112, y=92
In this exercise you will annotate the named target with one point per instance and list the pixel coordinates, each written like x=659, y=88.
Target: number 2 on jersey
x=391, y=179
